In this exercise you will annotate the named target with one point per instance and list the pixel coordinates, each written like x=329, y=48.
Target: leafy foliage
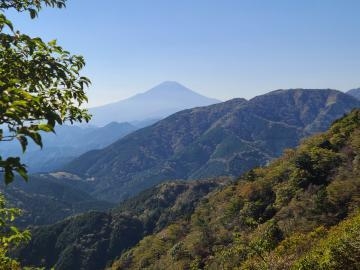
x=339, y=249
x=40, y=84
x=10, y=236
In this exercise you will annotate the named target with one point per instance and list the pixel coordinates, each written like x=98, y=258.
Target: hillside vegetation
x=300, y=212
x=95, y=239
x=228, y=138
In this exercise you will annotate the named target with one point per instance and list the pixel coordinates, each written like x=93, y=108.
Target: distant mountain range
x=354, y=92
x=49, y=198
x=156, y=103
x=228, y=138
x=68, y=143
x=72, y=141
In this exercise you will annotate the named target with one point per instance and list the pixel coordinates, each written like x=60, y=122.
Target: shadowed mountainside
x=47, y=198
x=92, y=240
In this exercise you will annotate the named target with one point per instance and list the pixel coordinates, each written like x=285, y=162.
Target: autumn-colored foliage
x=288, y=215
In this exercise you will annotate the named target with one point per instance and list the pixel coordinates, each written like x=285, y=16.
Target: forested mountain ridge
x=300, y=212
x=228, y=138
x=91, y=241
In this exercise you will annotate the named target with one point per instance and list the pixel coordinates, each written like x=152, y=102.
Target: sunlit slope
x=283, y=216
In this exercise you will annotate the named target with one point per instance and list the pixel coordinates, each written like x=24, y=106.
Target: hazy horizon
x=221, y=49
x=199, y=92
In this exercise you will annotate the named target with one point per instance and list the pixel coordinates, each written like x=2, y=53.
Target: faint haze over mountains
x=164, y=99
x=354, y=92
x=224, y=49
x=226, y=138
x=67, y=143
x=114, y=121
x=158, y=102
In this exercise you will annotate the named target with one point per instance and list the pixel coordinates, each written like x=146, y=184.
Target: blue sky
x=222, y=49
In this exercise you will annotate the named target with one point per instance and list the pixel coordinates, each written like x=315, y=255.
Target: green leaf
x=23, y=142
x=23, y=172
x=9, y=175
x=33, y=13
x=46, y=127
x=36, y=137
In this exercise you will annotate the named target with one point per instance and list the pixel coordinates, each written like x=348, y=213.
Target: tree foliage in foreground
x=40, y=84
x=40, y=87
x=10, y=236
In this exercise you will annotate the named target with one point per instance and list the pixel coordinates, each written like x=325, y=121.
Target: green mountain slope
x=92, y=240
x=228, y=138
x=283, y=216
x=339, y=248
